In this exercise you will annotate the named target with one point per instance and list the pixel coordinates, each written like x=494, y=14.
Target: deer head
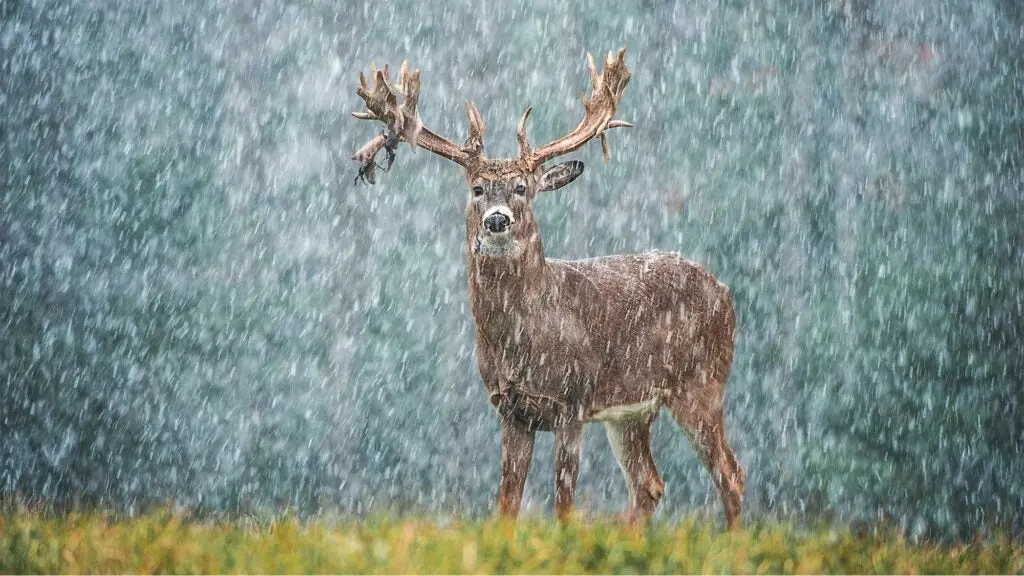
x=500, y=225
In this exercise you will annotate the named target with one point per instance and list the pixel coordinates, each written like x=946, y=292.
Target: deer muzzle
x=498, y=220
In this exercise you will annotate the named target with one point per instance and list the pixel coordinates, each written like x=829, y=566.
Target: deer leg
x=706, y=429
x=726, y=473
x=516, y=455
x=631, y=443
x=568, y=446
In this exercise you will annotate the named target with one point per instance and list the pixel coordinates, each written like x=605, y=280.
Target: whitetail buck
x=560, y=343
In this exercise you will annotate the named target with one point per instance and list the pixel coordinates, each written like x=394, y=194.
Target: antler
x=404, y=121
x=600, y=109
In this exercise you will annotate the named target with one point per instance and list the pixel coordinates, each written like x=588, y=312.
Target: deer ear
x=559, y=175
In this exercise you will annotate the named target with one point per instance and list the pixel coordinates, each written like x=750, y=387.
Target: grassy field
x=164, y=542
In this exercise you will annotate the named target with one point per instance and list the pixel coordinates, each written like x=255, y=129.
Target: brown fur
x=560, y=342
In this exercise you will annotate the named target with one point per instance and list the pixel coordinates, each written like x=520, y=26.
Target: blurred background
x=198, y=306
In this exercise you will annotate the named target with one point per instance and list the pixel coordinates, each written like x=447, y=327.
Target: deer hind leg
x=706, y=429
x=630, y=439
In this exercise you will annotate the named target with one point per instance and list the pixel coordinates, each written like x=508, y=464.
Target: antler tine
x=369, y=150
x=403, y=121
x=475, y=141
x=595, y=78
x=600, y=108
x=524, y=143
x=410, y=86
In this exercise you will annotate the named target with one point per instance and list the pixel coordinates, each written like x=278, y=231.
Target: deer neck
x=504, y=290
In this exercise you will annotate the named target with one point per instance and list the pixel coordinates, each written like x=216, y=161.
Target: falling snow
x=198, y=306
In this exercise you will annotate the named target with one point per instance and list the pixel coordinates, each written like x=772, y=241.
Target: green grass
x=164, y=542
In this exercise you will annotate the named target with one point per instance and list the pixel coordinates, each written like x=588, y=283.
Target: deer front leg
x=516, y=454
x=568, y=445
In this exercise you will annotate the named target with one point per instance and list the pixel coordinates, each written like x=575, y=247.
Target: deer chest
x=539, y=396
x=538, y=368
x=535, y=411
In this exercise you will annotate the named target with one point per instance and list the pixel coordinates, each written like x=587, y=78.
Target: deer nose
x=497, y=223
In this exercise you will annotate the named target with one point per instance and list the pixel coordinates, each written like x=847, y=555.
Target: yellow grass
x=164, y=542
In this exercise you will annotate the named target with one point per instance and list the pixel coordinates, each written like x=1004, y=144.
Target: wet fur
x=611, y=339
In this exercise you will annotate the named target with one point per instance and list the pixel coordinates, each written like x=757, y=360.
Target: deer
x=560, y=343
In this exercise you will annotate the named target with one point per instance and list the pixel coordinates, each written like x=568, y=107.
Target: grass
x=165, y=542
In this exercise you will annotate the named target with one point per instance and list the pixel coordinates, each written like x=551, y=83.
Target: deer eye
x=478, y=191
x=521, y=189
